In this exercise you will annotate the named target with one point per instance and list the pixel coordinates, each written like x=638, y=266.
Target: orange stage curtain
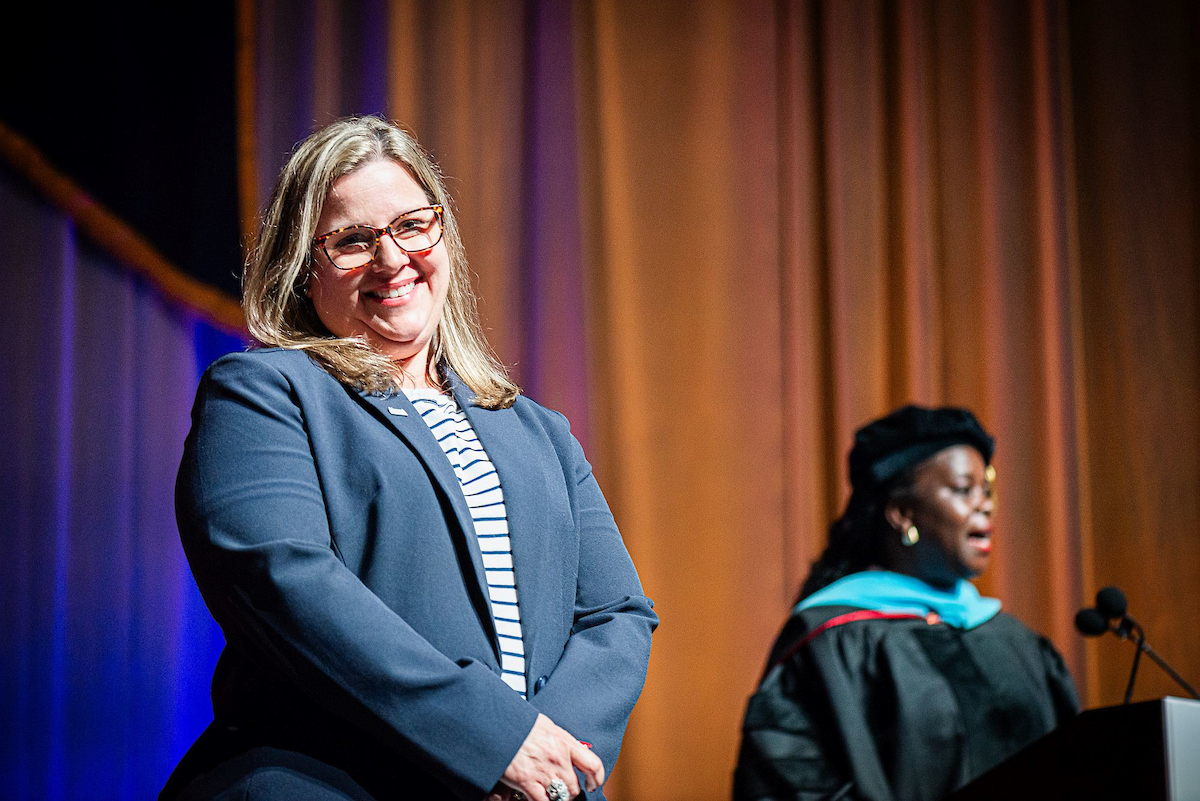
x=722, y=235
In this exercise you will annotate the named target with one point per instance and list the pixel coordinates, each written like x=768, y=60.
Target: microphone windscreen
x=1111, y=603
x=1090, y=622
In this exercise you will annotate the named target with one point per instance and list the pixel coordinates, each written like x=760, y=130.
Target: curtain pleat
x=1136, y=88
x=685, y=225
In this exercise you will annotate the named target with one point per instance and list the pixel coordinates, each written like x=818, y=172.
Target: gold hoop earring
x=910, y=537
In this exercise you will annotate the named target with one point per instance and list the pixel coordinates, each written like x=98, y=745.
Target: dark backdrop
x=135, y=102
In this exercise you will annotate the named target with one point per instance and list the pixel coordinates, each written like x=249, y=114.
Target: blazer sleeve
x=592, y=690
x=253, y=523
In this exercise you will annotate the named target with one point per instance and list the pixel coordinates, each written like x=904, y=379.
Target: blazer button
x=539, y=684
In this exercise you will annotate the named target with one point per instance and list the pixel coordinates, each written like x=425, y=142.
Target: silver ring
x=557, y=791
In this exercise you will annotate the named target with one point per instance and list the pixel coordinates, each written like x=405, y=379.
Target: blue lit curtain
x=106, y=642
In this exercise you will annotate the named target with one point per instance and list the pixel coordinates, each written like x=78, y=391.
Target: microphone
x=1111, y=604
x=1090, y=622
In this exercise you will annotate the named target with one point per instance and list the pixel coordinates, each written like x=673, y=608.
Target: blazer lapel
x=536, y=561
x=400, y=415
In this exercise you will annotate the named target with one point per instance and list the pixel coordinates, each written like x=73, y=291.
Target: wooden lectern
x=1146, y=751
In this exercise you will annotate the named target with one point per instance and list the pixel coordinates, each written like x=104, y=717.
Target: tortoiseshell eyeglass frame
x=437, y=208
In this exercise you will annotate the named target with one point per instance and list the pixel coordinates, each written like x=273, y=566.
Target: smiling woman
x=422, y=590
x=387, y=284
x=346, y=192
x=894, y=678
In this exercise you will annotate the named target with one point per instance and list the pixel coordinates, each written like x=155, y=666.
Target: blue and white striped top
x=485, y=498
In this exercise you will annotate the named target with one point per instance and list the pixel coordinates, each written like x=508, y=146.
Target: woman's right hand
x=548, y=753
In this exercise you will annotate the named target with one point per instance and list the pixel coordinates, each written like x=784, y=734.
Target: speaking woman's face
x=393, y=299
x=951, y=506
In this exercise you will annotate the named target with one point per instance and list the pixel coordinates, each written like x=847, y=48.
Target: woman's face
x=395, y=301
x=951, y=506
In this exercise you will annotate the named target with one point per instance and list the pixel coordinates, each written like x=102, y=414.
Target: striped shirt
x=485, y=498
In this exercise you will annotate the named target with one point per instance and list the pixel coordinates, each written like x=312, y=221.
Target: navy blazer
x=330, y=538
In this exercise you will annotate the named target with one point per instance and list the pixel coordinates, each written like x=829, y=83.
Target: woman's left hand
x=550, y=752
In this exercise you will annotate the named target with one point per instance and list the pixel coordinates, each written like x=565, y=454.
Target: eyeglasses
x=354, y=246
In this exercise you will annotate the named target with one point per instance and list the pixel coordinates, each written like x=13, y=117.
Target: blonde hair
x=279, y=313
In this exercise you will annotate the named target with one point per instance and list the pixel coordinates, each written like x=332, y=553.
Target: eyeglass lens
x=414, y=232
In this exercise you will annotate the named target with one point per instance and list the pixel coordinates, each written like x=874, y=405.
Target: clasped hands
x=548, y=753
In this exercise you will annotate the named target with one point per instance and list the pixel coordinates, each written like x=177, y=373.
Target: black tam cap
x=911, y=434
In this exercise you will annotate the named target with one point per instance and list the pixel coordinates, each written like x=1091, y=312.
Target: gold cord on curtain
x=116, y=237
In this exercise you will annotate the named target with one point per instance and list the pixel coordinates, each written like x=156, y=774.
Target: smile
x=401, y=291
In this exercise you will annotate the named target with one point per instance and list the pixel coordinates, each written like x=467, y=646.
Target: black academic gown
x=892, y=709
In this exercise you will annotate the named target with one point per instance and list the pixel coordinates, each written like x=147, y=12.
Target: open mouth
x=980, y=540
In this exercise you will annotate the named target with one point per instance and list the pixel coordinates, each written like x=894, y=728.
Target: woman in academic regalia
x=894, y=680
